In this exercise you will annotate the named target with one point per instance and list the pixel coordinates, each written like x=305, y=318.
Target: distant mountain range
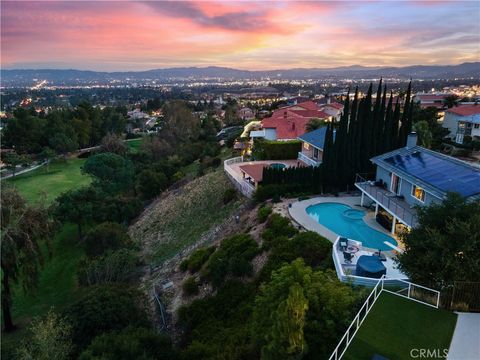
x=58, y=76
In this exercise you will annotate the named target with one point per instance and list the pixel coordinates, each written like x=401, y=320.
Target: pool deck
x=298, y=211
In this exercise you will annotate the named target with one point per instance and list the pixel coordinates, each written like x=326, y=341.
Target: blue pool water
x=278, y=166
x=348, y=222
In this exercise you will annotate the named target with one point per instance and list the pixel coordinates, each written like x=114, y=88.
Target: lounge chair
x=347, y=257
x=343, y=243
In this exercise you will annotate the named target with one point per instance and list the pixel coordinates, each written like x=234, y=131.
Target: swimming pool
x=348, y=222
x=278, y=166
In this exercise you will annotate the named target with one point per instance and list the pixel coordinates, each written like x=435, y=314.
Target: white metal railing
x=237, y=180
x=411, y=288
x=307, y=160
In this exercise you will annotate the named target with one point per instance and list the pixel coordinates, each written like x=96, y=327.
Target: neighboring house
x=414, y=176
x=430, y=100
x=312, y=146
x=288, y=123
x=462, y=121
x=246, y=114
x=333, y=109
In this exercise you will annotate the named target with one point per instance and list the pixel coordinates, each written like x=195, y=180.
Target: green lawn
x=56, y=288
x=396, y=325
x=134, y=144
x=60, y=177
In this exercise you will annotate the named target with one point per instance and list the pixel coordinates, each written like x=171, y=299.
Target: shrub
x=276, y=150
x=229, y=195
x=263, y=213
x=151, y=183
x=130, y=343
x=277, y=226
x=232, y=258
x=197, y=259
x=105, y=308
x=106, y=236
x=117, y=266
x=276, y=198
x=190, y=287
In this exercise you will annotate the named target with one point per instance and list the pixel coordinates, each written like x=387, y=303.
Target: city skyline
x=128, y=35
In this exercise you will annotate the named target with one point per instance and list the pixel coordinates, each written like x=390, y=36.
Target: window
x=315, y=153
x=477, y=126
x=395, y=184
x=306, y=146
x=418, y=193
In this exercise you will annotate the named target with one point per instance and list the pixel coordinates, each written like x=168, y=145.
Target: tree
x=112, y=172
x=151, y=183
x=314, y=124
x=50, y=339
x=104, y=237
x=450, y=232
x=130, y=344
x=104, y=308
x=112, y=143
x=424, y=134
x=451, y=101
x=295, y=306
x=23, y=227
x=63, y=144
x=47, y=155
x=78, y=206
x=12, y=160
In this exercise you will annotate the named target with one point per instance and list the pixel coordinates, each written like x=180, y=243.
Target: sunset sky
x=128, y=35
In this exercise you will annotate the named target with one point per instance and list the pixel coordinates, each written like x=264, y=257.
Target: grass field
x=134, y=144
x=56, y=288
x=396, y=325
x=61, y=176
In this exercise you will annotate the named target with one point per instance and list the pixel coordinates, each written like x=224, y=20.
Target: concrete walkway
x=22, y=171
x=466, y=338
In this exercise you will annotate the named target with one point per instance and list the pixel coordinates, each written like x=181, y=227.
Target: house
x=430, y=100
x=246, y=114
x=289, y=122
x=463, y=121
x=414, y=176
x=312, y=146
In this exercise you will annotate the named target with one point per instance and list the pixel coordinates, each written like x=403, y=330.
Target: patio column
x=376, y=209
x=361, y=200
x=394, y=223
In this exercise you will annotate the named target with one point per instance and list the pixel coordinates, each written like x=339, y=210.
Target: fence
x=410, y=291
x=463, y=296
x=237, y=180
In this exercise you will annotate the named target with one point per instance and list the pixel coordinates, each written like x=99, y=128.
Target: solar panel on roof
x=439, y=172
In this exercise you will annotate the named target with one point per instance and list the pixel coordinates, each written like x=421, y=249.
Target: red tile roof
x=465, y=110
x=335, y=105
x=254, y=171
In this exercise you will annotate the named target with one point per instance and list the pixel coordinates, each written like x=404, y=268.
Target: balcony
x=389, y=201
x=307, y=160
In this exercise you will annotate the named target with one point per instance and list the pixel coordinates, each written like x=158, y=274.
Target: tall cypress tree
x=404, y=128
x=396, y=143
x=341, y=144
x=381, y=127
x=376, y=122
x=388, y=130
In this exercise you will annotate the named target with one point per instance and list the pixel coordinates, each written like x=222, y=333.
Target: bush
x=106, y=236
x=229, y=195
x=190, y=287
x=105, y=308
x=232, y=258
x=120, y=209
x=197, y=259
x=130, y=343
x=263, y=213
x=277, y=226
x=117, y=266
x=151, y=183
x=276, y=150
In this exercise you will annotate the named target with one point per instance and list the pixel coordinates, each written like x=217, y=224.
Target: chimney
x=411, y=140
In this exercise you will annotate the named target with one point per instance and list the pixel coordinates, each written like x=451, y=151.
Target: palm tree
x=451, y=101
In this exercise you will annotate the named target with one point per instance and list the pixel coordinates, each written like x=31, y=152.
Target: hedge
x=276, y=150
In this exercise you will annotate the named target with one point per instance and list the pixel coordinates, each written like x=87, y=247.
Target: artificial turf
x=396, y=325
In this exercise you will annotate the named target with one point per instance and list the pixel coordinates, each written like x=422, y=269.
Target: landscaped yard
x=134, y=144
x=60, y=177
x=396, y=325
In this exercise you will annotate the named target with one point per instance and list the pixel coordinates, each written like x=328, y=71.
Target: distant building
x=462, y=121
x=246, y=114
x=430, y=100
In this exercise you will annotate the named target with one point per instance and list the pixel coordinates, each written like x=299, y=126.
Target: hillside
x=180, y=217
